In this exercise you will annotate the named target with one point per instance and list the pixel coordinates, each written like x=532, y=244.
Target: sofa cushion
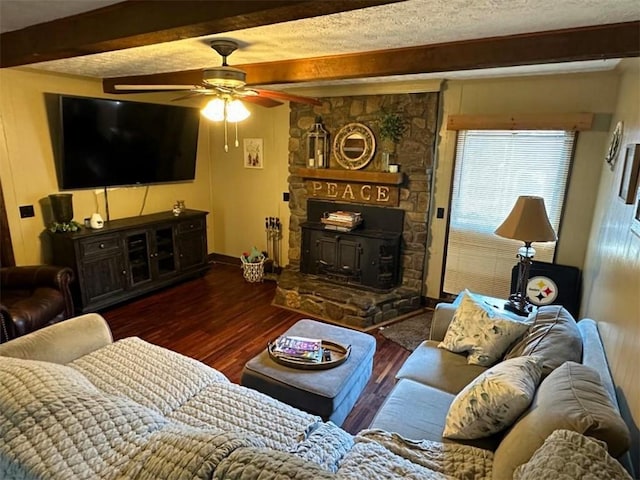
x=439, y=368
x=418, y=412
x=494, y=400
x=478, y=329
x=414, y=411
x=573, y=398
x=554, y=336
x=567, y=454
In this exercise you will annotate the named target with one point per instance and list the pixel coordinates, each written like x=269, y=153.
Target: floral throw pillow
x=477, y=328
x=494, y=400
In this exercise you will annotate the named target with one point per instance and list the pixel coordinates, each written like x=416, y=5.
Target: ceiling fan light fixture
x=214, y=110
x=236, y=111
x=225, y=77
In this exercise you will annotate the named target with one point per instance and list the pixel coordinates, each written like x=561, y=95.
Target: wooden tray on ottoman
x=339, y=354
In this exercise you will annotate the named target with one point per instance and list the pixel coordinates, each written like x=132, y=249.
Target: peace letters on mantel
x=377, y=188
x=354, y=192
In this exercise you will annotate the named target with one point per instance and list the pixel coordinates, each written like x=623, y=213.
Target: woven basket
x=253, y=272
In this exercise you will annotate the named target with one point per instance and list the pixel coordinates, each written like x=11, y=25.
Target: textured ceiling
x=17, y=14
x=409, y=23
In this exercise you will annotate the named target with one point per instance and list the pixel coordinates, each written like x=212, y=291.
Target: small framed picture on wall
x=630, y=169
x=253, y=153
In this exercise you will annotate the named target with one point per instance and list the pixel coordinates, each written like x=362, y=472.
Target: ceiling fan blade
x=189, y=95
x=288, y=97
x=184, y=80
x=262, y=101
x=133, y=88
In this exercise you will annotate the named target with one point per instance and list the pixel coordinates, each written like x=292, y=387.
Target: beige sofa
x=576, y=393
x=76, y=405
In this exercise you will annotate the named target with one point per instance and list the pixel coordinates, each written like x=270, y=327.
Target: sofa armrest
x=34, y=276
x=442, y=317
x=30, y=276
x=63, y=342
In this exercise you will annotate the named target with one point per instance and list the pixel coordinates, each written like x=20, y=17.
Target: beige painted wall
x=588, y=92
x=243, y=197
x=237, y=198
x=612, y=270
x=27, y=168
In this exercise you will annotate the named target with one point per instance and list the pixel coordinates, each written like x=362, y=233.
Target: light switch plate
x=27, y=211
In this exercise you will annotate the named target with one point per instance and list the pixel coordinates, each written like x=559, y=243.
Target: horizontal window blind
x=493, y=168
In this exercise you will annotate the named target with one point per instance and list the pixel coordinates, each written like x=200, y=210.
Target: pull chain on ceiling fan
x=227, y=84
x=226, y=79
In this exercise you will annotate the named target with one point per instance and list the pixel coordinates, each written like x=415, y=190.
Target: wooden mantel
x=384, y=178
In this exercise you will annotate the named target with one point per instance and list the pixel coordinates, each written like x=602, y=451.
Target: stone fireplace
x=315, y=281
x=366, y=257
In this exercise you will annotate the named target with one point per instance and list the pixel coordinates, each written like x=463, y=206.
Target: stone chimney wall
x=414, y=154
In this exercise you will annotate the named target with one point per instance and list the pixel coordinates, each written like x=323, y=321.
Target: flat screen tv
x=111, y=142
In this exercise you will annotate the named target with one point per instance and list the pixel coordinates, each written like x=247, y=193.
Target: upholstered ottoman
x=330, y=393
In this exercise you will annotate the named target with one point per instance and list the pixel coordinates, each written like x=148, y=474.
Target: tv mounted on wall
x=116, y=143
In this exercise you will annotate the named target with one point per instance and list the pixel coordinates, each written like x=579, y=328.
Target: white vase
x=96, y=221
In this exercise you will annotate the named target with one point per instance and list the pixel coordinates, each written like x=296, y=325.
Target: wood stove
x=367, y=256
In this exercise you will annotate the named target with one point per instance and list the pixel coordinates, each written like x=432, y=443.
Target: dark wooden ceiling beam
x=137, y=23
x=589, y=43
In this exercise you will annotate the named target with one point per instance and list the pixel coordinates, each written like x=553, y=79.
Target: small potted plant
x=392, y=127
x=63, y=227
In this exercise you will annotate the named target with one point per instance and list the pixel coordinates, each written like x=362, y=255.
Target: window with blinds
x=493, y=168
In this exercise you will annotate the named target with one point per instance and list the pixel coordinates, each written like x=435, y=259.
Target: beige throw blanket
x=133, y=410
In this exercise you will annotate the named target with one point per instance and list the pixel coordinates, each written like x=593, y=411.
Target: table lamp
x=527, y=222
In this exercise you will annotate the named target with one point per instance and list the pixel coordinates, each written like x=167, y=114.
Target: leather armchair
x=32, y=297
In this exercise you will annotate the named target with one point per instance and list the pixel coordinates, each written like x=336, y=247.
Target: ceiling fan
x=227, y=85
x=220, y=81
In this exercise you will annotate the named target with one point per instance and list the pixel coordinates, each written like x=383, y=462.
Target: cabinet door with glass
x=139, y=257
x=163, y=254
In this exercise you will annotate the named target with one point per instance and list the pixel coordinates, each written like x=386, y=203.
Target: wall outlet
x=285, y=196
x=27, y=211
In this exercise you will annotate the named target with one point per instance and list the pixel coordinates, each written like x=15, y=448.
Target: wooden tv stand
x=132, y=256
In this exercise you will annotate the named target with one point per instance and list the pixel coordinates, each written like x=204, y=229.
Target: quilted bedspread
x=566, y=454
x=133, y=410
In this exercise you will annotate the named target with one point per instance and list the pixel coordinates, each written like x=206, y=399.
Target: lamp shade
x=214, y=110
x=236, y=111
x=528, y=222
x=220, y=109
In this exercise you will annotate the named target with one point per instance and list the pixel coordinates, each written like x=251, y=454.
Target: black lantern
x=317, y=146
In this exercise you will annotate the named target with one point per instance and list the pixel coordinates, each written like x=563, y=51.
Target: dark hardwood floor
x=224, y=321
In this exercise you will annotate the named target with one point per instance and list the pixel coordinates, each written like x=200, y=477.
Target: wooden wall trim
x=544, y=121
x=7, y=258
x=226, y=259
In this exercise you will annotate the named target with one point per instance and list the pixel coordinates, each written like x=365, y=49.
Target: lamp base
x=519, y=306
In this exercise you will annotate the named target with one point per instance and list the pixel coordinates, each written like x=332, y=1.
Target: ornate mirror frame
x=354, y=146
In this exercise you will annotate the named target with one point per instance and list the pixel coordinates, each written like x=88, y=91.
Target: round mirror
x=354, y=146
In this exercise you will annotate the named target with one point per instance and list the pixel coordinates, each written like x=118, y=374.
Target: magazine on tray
x=298, y=348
